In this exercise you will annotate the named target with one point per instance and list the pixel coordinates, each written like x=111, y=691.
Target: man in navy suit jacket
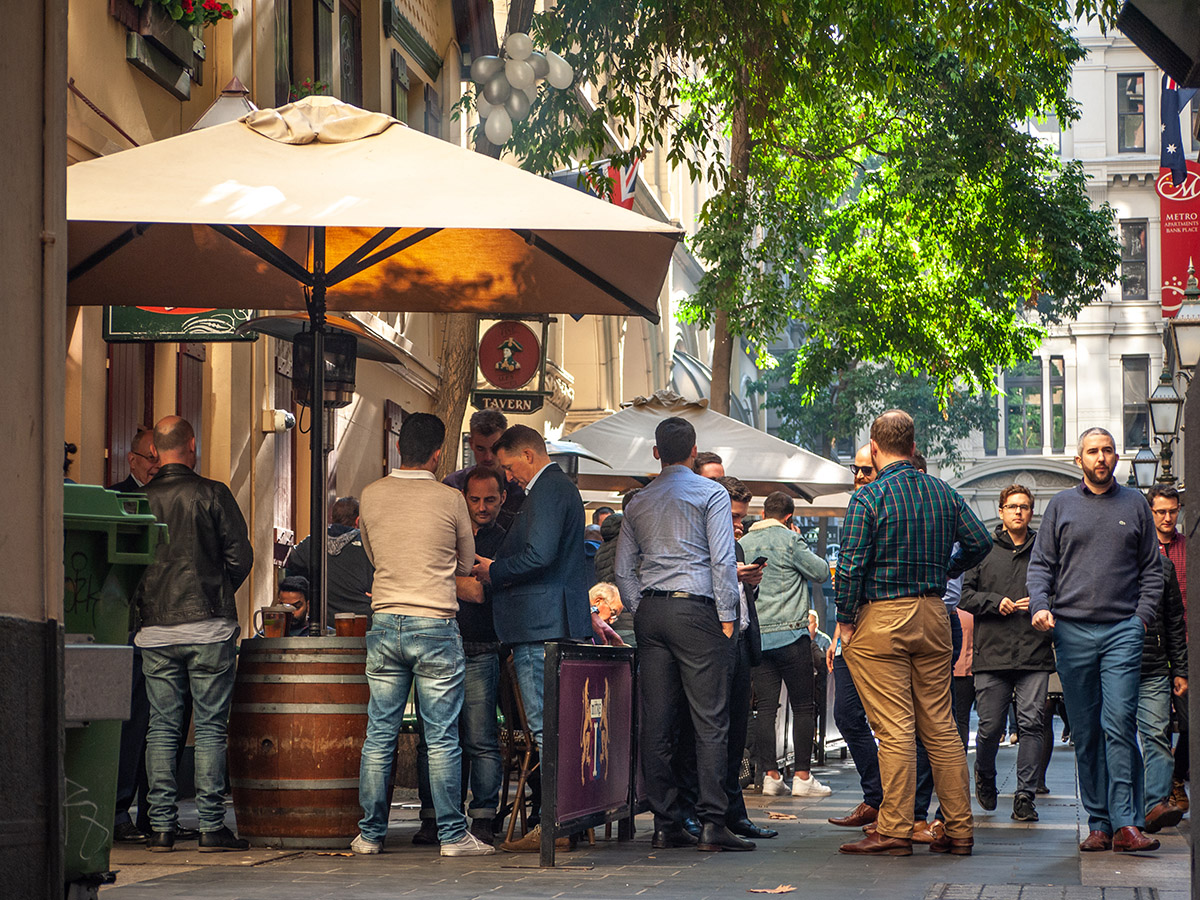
x=539, y=588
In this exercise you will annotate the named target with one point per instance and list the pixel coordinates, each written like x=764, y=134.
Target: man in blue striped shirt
x=677, y=571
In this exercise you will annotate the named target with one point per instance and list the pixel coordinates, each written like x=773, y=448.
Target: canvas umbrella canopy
x=320, y=205
x=765, y=463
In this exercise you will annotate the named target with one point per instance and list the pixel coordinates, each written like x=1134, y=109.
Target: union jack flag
x=624, y=182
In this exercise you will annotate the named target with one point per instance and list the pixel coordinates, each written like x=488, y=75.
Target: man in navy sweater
x=1096, y=555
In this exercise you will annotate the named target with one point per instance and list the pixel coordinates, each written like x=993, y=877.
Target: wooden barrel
x=296, y=733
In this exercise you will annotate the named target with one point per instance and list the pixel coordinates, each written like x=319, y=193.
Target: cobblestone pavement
x=1012, y=861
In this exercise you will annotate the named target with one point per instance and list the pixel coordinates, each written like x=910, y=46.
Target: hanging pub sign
x=510, y=357
x=175, y=323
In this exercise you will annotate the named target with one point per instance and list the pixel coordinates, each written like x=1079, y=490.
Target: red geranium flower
x=227, y=13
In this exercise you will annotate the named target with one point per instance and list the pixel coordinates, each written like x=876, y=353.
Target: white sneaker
x=361, y=845
x=774, y=787
x=809, y=787
x=468, y=845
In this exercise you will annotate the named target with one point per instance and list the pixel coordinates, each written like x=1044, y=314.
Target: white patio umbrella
x=319, y=205
x=765, y=463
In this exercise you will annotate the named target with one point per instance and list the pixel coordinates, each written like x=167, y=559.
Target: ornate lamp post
x=1165, y=407
x=1145, y=467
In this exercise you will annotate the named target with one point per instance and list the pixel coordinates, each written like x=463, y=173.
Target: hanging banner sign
x=1179, y=230
x=175, y=323
x=510, y=355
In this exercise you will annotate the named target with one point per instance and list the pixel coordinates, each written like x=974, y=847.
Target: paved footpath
x=1012, y=861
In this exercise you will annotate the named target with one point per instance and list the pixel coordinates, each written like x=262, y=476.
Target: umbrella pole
x=318, y=462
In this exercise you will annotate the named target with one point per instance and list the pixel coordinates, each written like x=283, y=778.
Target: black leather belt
x=678, y=595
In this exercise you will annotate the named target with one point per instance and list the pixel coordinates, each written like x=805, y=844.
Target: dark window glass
x=1023, y=409
x=1133, y=260
x=991, y=435
x=399, y=87
x=283, y=51
x=1058, y=405
x=1135, y=390
x=1131, y=113
x=323, y=39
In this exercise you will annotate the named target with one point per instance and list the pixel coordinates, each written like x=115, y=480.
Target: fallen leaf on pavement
x=784, y=816
x=782, y=889
x=333, y=853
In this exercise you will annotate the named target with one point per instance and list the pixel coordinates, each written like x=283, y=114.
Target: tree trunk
x=457, y=367
x=722, y=339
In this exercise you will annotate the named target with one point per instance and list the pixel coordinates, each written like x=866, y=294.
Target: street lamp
x=1185, y=327
x=1145, y=467
x=1165, y=407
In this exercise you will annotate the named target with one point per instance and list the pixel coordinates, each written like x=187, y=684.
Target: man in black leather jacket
x=1164, y=669
x=187, y=632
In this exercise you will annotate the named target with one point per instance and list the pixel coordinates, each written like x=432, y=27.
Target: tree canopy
x=873, y=175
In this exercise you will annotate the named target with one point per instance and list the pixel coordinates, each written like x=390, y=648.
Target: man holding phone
x=783, y=605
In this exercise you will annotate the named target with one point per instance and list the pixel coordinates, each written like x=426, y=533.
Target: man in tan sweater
x=417, y=533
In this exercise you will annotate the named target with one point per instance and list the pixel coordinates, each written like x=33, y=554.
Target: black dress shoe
x=715, y=837
x=666, y=838
x=747, y=829
x=692, y=826
x=160, y=841
x=221, y=840
x=186, y=834
x=128, y=833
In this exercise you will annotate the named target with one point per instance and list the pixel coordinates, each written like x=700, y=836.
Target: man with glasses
x=131, y=770
x=1012, y=661
x=1164, y=507
x=862, y=467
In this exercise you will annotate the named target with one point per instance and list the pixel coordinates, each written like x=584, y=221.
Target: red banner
x=1179, y=229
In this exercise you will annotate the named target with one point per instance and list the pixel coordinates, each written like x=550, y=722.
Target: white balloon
x=484, y=108
x=531, y=93
x=541, y=68
x=560, y=75
x=519, y=73
x=499, y=127
x=518, y=45
x=517, y=105
x=497, y=89
x=485, y=67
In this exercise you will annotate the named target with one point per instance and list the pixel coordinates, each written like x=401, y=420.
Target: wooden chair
x=517, y=746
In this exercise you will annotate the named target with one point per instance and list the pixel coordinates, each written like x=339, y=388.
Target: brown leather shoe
x=859, y=816
x=877, y=843
x=1131, y=840
x=1096, y=840
x=869, y=828
x=1179, y=795
x=952, y=845
x=1164, y=815
x=927, y=832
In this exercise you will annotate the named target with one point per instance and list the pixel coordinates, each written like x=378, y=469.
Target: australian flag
x=1172, y=155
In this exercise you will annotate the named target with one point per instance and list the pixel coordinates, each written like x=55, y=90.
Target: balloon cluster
x=508, y=86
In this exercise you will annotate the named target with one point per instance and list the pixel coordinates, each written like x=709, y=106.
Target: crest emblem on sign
x=594, y=735
x=509, y=355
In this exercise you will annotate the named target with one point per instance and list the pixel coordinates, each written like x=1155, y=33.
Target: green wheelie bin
x=108, y=540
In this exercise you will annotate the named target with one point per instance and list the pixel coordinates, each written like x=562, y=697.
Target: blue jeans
x=1100, y=666
x=530, y=662
x=480, y=737
x=206, y=672
x=403, y=651
x=851, y=721
x=1154, y=726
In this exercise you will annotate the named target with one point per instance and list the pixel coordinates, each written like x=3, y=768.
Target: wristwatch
x=595, y=609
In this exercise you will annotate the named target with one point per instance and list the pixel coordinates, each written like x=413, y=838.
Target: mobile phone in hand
x=761, y=561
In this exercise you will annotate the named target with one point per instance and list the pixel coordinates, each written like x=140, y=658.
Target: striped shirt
x=677, y=535
x=898, y=539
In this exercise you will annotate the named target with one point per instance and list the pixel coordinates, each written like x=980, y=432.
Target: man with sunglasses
x=862, y=467
x=1012, y=660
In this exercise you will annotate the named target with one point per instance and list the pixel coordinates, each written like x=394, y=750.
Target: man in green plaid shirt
x=896, y=557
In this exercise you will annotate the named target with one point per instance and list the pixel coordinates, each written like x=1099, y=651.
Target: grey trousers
x=994, y=691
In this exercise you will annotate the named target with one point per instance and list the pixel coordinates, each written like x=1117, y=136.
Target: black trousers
x=685, y=658
x=739, y=716
x=790, y=665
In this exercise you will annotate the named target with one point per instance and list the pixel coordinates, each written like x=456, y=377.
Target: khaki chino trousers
x=899, y=658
